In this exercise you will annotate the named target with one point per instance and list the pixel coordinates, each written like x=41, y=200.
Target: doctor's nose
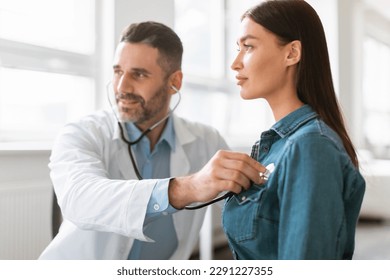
x=124, y=83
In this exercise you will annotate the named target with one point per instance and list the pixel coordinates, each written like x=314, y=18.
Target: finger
x=256, y=169
x=243, y=157
x=232, y=186
x=240, y=162
x=246, y=166
x=235, y=176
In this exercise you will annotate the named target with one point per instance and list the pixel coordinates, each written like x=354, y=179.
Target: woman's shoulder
x=316, y=130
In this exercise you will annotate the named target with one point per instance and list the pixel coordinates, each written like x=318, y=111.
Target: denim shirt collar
x=168, y=134
x=293, y=121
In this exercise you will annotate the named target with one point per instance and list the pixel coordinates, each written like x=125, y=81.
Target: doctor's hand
x=225, y=171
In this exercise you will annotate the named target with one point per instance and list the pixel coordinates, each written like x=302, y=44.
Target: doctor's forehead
x=135, y=53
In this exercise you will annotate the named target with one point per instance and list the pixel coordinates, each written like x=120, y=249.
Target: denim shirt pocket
x=240, y=214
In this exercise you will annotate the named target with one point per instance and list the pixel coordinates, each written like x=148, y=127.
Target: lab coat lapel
x=124, y=162
x=180, y=163
x=122, y=157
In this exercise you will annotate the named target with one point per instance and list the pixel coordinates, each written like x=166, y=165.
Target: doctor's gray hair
x=159, y=36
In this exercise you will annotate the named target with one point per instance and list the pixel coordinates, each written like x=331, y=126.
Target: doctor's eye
x=139, y=75
x=118, y=72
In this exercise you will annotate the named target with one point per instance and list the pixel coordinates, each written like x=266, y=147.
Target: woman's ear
x=175, y=81
x=294, y=51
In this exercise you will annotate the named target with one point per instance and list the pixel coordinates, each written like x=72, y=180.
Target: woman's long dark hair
x=296, y=20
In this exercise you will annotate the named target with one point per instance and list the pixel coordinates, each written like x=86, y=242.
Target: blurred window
x=209, y=31
x=65, y=25
x=376, y=97
x=47, y=58
x=34, y=104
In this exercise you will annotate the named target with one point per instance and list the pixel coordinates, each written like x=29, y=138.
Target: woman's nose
x=237, y=63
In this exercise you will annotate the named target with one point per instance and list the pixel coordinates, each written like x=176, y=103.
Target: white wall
x=343, y=22
x=350, y=44
x=127, y=12
x=327, y=11
x=25, y=202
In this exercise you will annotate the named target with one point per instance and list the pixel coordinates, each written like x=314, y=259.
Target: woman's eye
x=244, y=47
x=247, y=47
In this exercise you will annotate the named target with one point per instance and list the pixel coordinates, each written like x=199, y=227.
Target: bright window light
x=47, y=66
x=376, y=97
x=209, y=31
x=34, y=105
x=65, y=25
x=200, y=26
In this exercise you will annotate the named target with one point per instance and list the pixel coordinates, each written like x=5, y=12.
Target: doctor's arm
x=225, y=171
x=88, y=192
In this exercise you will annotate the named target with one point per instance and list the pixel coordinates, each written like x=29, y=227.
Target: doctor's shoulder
x=99, y=124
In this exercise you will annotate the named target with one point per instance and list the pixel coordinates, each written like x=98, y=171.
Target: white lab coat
x=102, y=203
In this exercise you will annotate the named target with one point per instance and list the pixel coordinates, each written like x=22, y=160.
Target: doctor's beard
x=142, y=111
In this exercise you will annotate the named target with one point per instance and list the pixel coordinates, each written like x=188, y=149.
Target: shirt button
x=156, y=207
x=243, y=198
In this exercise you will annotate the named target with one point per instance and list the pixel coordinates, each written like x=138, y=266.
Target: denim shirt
x=309, y=207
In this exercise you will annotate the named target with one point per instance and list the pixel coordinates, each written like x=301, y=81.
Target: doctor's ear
x=294, y=51
x=175, y=81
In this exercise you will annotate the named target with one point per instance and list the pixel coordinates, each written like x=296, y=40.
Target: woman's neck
x=284, y=104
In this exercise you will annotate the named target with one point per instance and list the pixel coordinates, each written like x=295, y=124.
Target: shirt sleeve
x=159, y=202
x=311, y=203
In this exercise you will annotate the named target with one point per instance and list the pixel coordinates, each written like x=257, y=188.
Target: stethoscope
x=143, y=134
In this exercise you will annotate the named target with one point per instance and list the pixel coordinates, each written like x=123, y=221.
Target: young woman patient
x=309, y=206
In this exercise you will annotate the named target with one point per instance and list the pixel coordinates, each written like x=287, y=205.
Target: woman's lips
x=240, y=79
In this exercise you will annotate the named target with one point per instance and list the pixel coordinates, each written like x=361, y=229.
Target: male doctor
x=111, y=212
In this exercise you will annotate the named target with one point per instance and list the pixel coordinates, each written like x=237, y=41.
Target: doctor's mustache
x=129, y=96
